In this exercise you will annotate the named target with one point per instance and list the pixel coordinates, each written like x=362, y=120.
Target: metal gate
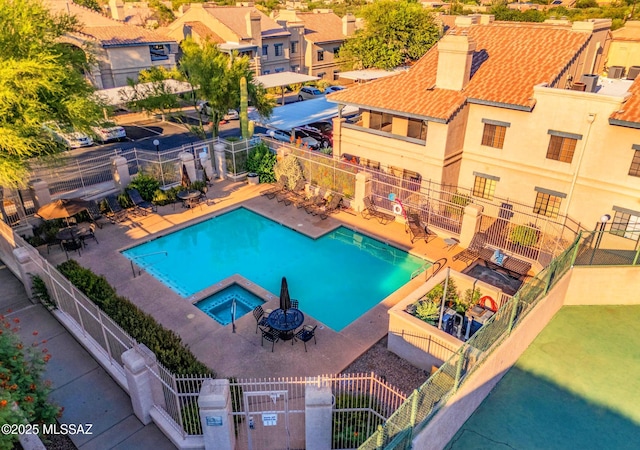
x=269, y=414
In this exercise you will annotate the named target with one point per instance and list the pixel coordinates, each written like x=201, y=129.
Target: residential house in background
x=121, y=51
x=316, y=38
x=514, y=113
x=242, y=29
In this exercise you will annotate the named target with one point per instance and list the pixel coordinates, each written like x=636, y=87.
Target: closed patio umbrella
x=63, y=208
x=285, y=300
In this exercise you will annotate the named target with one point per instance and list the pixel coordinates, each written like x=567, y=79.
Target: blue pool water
x=218, y=305
x=336, y=278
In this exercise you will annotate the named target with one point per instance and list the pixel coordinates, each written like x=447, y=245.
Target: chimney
x=349, y=24
x=253, y=26
x=454, y=61
x=117, y=9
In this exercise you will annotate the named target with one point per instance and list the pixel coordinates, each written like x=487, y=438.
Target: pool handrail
x=166, y=253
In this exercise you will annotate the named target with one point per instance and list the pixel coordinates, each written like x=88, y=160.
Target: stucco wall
x=461, y=405
x=604, y=286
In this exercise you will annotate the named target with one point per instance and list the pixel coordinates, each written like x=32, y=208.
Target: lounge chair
x=139, y=203
x=329, y=208
x=94, y=212
x=472, y=252
x=117, y=213
x=370, y=210
x=289, y=196
x=88, y=234
x=306, y=334
x=280, y=186
x=416, y=229
x=314, y=202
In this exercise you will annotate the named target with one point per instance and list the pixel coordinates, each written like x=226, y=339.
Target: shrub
x=428, y=311
x=435, y=294
x=525, y=235
x=261, y=160
x=40, y=292
x=167, y=345
x=23, y=393
x=468, y=300
x=352, y=428
x=146, y=185
x=199, y=185
x=167, y=197
x=124, y=200
x=288, y=166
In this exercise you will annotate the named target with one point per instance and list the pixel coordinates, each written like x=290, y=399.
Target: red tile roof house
x=121, y=50
x=495, y=108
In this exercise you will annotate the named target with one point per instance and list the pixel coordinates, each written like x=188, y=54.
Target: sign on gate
x=269, y=420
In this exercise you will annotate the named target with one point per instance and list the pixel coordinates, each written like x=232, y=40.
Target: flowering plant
x=23, y=393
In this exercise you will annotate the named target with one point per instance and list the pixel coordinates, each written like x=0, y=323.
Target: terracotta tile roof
x=124, y=35
x=322, y=27
x=204, y=32
x=107, y=31
x=510, y=59
x=234, y=17
x=630, y=110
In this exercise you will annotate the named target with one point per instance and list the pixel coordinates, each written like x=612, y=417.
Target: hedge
x=168, y=347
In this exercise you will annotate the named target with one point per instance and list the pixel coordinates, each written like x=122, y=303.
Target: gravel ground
x=389, y=366
x=58, y=442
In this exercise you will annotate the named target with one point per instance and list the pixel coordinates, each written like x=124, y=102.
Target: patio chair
x=416, y=229
x=269, y=335
x=89, y=234
x=307, y=333
x=117, y=213
x=94, y=212
x=71, y=245
x=289, y=196
x=309, y=202
x=139, y=203
x=370, y=210
x=261, y=319
x=277, y=188
x=472, y=252
x=329, y=208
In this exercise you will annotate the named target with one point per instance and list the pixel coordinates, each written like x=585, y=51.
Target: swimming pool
x=336, y=278
x=218, y=305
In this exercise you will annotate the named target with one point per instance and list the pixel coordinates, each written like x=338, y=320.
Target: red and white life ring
x=493, y=306
x=397, y=209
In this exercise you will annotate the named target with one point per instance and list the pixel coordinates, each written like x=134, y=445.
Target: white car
x=203, y=107
x=332, y=89
x=286, y=137
x=308, y=92
x=67, y=136
x=106, y=133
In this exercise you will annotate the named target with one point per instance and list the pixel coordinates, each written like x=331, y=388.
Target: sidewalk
x=87, y=393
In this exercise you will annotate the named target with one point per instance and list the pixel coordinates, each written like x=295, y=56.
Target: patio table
x=70, y=233
x=188, y=197
x=285, y=321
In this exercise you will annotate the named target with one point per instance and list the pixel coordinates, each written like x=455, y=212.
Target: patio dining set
x=285, y=323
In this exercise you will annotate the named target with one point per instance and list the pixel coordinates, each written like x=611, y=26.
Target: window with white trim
x=626, y=225
x=547, y=204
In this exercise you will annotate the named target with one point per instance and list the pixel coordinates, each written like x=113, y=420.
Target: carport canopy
x=301, y=113
x=281, y=79
x=368, y=74
x=121, y=95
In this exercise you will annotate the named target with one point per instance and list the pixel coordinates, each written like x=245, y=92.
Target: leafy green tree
x=40, y=80
x=216, y=76
x=91, y=4
x=395, y=33
x=151, y=93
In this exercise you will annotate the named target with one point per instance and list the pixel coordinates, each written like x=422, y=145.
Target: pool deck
x=240, y=354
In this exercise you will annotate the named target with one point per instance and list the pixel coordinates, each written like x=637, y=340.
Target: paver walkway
x=87, y=393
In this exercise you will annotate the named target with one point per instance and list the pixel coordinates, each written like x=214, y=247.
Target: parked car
x=308, y=92
x=323, y=139
x=331, y=89
x=203, y=107
x=286, y=137
x=67, y=135
x=108, y=132
x=312, y=139
x=326, y=128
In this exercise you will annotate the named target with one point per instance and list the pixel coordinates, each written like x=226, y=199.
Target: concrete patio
x=241, y=354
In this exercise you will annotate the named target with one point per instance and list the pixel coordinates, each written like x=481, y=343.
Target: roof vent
x=616, y=71
x=633, y=72
x=590, y=81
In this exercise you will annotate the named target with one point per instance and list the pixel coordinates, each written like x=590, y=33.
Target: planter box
x=253, y=179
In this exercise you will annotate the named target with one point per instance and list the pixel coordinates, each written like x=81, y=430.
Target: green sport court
x=577, y=386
